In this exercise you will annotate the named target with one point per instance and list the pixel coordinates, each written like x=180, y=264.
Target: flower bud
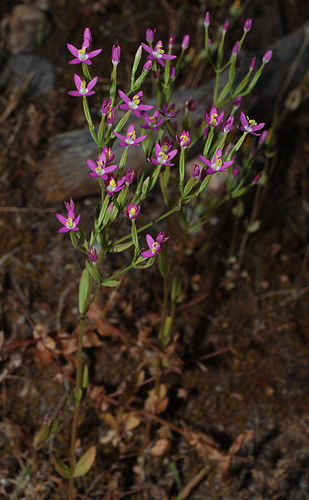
x=207, y=19
x=235, y=49
x=129, y=177
x=195, y=170
x=171, y=41
x=252, y=64
x=225, y=26
x=172, y=72
x=248, y=25
x=185, y=42
x=148, y=65
x=115, y=55
x=150, y=34
x=267, y=56
x=236, y=172
x=237, y=102
x=263, y=136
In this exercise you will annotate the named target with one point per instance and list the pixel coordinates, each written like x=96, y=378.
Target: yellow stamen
x=70, y=222
x=132, y=135
x=251, y=122
x=154, y=247
x=214, y=118
x=163, y=156
x=132, y=211
x=112, y=183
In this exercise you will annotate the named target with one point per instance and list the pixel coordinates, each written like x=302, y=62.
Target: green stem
x=78, y=386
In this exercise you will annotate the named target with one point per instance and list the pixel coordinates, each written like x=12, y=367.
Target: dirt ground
x=230, y=417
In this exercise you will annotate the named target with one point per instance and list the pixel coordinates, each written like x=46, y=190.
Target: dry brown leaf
x=68, y=343
x=160, y=447
x=130, y=421
x=157, y=402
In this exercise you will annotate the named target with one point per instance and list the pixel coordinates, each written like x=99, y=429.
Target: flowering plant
x=166, y=146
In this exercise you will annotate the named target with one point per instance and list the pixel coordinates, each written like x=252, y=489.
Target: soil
x=222, y=412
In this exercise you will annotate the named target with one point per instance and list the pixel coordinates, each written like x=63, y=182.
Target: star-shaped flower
x=216, y=164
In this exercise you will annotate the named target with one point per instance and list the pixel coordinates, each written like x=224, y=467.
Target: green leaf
x=254, y=226
x=110, y=283
x=83, y=291
x=120, y=248
x=85, y=462
x=62, y=469
x=134, y=234
x=76, y=395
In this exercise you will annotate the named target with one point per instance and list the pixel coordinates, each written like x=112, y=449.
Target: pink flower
x=190, y=104
x=228, y=125
x=100, y=169
x=249, y=126
x=184, y=139
x=108, y=153
x=134, y=104
x=130, y=138
x=82, y=87
x=169, y=111
x=132, y=210
x=152, y=122
x=214, y=119
x=207, y=19
x=129, y=177
x=154, y=245
x=70, y=223
x=162, y=157
x=216, y=164
x=113, y=186
x=157, y=54
x=81, y=55
x=166, y=144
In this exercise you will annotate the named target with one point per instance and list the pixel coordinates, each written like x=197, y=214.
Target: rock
x=64, y=169
x=20, y=29
x=18, y=68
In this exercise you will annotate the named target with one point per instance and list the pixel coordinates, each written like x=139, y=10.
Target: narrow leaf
x=62, y=469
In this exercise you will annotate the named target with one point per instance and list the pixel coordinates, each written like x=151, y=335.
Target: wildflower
x=166, y=144
x=150, y=34
x=113, y=186
x=70, y=223
x=130, y=138
x=154, y=245
x=248, y=25
x=92, y=254
x=169, y=111
x=216, y=164
x=132, y=210
x=110, y=117
x=135, y=103
x=106, y=106
x=228, y=125
x=152, y=121
x=214, y=119
x=115, y=55
x=100, y=169
x=81, y=55
x=108, y=153
x=82, y=87
x=249, y=126
x=161, y=237
x=184, y=139
x=191, y=104
x=129, y=177
x=163, y=157
x=267, y=56
x=157, y=54
x=185, y=42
